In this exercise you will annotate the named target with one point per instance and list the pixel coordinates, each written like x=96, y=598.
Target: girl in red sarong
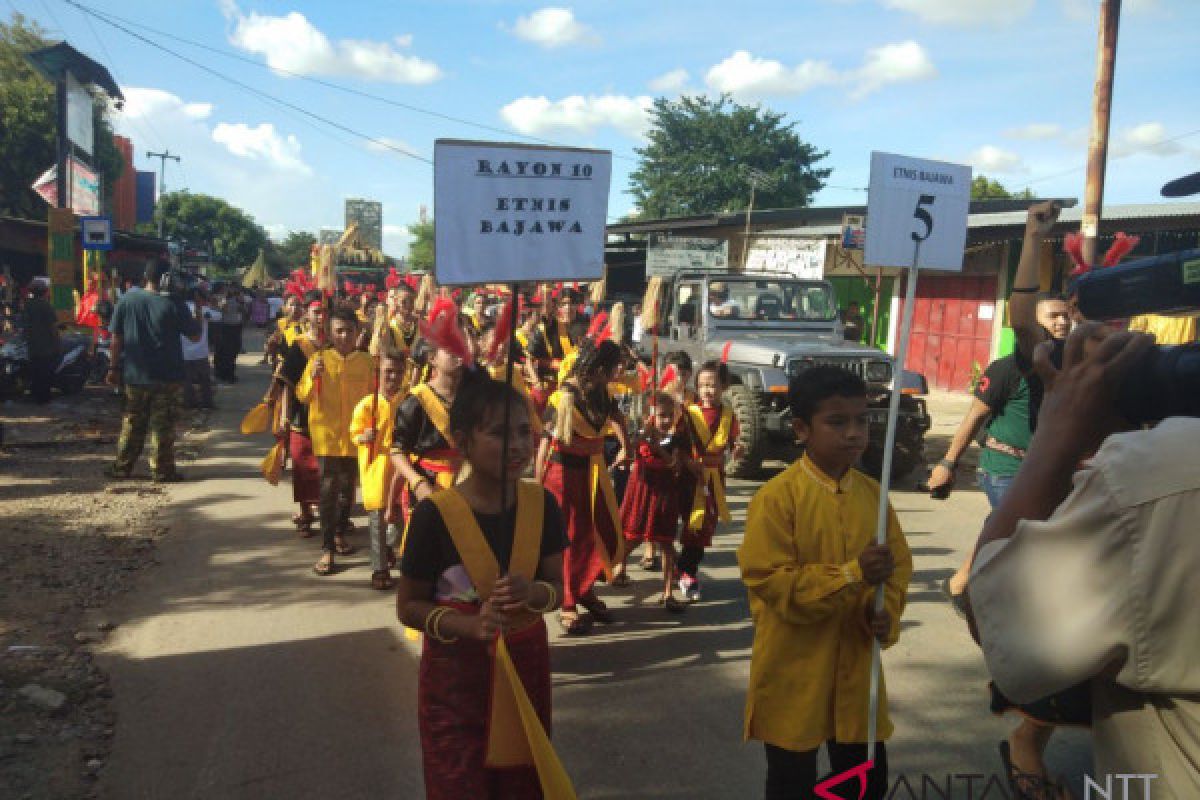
x=306, y=474
x=570, y=464
x=650, y=508
x=482, y=565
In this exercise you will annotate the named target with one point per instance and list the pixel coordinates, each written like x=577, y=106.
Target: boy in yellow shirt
x=371, y=428
x=811, y=566
x=335, y=379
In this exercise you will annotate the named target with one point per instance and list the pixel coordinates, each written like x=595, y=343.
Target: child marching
x=482, y=564
x=650, y=508
x=570, y=463
x=306, y=476
x=713, y=431
x=334, y=381
x=372, y=427
x=811, y=565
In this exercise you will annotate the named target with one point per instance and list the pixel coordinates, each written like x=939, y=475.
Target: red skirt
x=650, y=509
x=306, y=474
x=453, y=702
x=583, y=562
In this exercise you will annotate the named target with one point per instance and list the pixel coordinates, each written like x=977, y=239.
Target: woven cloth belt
x=993, y=443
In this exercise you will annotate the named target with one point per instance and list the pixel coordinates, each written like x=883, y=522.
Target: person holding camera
x=148, y=354
x=1087, y=575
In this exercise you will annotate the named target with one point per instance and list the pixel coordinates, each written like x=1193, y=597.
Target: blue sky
x=1004, y=85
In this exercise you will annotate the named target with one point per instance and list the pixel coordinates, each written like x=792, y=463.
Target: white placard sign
x=911, y=200
x=79, y=115
x=666, y=255
x=507, y=213
x=801, y=258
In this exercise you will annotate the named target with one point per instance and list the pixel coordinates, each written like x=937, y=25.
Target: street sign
x=854, y=231
x=96, y=233
x=506, y=213
x=912, y=202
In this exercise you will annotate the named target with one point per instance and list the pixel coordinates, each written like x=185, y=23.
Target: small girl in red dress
x=650, y=509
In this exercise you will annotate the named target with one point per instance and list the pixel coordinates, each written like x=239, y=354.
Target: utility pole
x=1093, y=193
x=162, y=178
x=755, y=176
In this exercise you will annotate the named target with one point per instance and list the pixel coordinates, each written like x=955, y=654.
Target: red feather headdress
x=393, y=279
x=599, y=330
x=1122, y=245
x=669, y=375
x=504, y=327
x=645, y=377
x=299, y=283
x=443, y=331
x=725, y=352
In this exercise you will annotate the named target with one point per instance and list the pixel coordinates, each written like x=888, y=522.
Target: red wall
x=948, y=336
x=124, y=196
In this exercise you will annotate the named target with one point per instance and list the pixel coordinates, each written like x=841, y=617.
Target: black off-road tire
x=751, y=435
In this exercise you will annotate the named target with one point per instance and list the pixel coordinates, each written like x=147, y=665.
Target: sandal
x=381, y=580
x=341, y=546
x=1027, y=785
x=599, y=610
x=324, y=567
x=670, y=603
x=573, y=624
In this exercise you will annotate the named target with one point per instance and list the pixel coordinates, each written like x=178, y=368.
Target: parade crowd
x=513, y=453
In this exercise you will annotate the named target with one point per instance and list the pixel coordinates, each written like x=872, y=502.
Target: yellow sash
x=515, y=733
x=602, y=486
x=710, y=444
x=437, y=412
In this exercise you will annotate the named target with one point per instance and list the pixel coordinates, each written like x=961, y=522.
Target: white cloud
x=553, y=27
x=142, y=102
x=1149, y=138
x=293, y=44
x=579, y=114
x=388, y=145
x=1035, y=131
x=396, y=239
x=995, y=161
x=261, y=143
x=747, y=75
x=964, y=12
x=904, y=62
x=672, y=81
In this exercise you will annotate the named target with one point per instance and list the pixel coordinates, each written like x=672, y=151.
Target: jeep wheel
x=751, y=436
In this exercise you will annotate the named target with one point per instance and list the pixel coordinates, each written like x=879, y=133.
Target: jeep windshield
x=739, y=301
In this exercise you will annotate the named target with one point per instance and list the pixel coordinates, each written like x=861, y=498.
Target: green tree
x=420, y=249
x=985, y=188
x=698, y=153
x=205, y=222
x=296, y=249
x=27, y=125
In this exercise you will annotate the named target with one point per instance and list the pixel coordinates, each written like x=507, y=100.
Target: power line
x=1080, y=167
x=247, y=87
x=105, y=16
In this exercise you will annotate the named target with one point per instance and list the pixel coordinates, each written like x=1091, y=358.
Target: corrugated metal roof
x=1005, y=219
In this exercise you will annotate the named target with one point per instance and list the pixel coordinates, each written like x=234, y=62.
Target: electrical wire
x=111, y=18
x=252, y=89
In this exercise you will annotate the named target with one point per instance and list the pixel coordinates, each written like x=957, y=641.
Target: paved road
x=239, y=674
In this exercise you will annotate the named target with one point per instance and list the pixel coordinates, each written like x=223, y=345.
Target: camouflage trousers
x=154, y=408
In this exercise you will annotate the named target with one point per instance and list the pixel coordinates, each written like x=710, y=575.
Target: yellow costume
x=709, y=450
x=810, y=666
x=330, y=406
x=1166, y=330
x=375, y=474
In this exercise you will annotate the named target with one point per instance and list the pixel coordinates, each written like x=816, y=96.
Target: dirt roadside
x=70, y=541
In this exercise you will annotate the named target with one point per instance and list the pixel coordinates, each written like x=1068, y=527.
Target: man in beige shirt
x=1092, y=574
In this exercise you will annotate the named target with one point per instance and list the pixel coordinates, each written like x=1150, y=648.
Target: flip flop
x=323, y=568
x=342, y=548
x=1027, y=785
x=579, y=626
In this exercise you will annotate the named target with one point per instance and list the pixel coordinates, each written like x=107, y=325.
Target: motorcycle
x=71, y=373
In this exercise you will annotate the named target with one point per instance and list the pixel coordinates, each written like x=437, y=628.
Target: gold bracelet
x=433, y=624
x=551, y=602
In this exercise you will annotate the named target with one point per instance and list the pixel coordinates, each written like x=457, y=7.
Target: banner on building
x=507, y=213
x=84, y=187
x=63, y=234
x=854, y=231
x=800, y=258
x=79, y=115
x=666, y=254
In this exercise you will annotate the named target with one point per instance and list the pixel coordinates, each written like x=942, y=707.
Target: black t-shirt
x=150, y=325
x=1037, y=389
x=429, y=551
x=414, y=432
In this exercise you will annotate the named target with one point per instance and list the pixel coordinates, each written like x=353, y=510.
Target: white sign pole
x=885, y=482
x=913, y=203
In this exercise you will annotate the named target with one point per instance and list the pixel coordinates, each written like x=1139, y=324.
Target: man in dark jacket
x=40, y=324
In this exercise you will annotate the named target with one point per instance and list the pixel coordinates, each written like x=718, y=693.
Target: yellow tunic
x=374, y=475
x=346, y=381
x=290, y=330
x=810, y=667
x=1166, y=330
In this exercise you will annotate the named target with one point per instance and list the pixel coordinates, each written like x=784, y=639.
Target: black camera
x=1166, y=382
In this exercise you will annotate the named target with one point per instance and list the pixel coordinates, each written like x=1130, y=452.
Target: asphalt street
x=239, y=674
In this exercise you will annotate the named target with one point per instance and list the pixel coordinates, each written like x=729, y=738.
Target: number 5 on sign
x=915, y=202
